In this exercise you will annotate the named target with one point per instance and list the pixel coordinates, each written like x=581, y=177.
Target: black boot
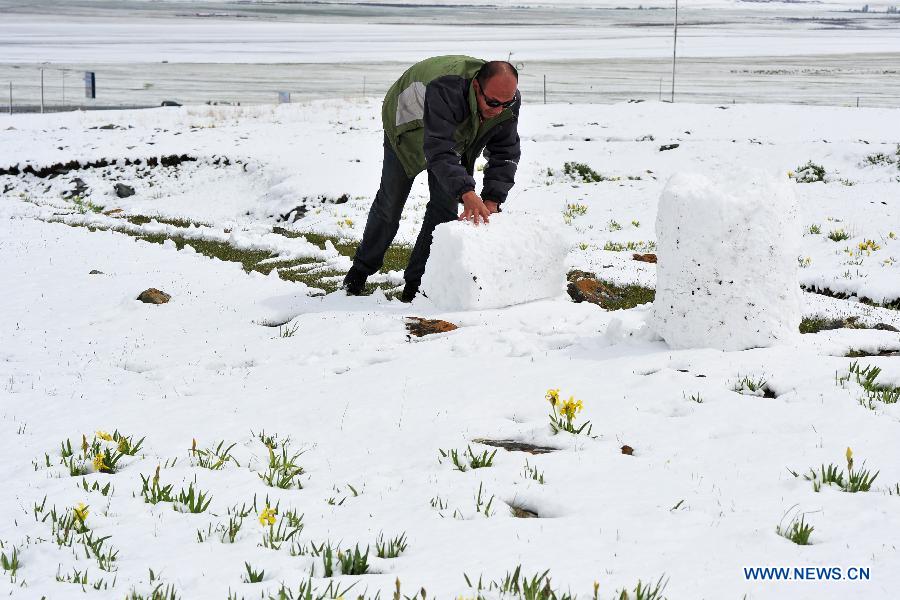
x=409, y=292
x=354, y=282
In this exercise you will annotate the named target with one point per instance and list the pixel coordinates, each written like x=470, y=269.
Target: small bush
x=810, y=173
x=838, y=235
x=582, y=172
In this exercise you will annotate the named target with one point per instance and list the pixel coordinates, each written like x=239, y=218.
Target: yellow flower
x=552, y=396
x=267, y=516
x=123, y=445
x=892, y=235
x=790, y=174
x=104, y=436
x=570, y=407
x=849, y=458
x=81, y=512
x=869, y=246
x=99, y=463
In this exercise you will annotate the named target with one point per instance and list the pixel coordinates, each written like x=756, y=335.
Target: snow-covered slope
x=695, y=498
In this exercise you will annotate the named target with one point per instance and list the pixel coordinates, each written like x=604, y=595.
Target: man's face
x=499, y=89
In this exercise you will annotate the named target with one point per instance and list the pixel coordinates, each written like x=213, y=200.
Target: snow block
x=513, y=259
x=727, y=272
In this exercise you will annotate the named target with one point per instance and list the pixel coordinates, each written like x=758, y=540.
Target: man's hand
x=492, y=206
x=474, y=209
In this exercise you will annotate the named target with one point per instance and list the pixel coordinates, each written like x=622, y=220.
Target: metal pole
x=42, y=90
x=545, y=89
x=674, y=50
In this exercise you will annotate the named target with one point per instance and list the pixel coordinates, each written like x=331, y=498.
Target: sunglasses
x=495, y=103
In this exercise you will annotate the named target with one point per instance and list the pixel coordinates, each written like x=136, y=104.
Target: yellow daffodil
x=869, y=246
x=791, y=174
x=267, y=516
x=123, y=445
x=570, y=407
x=81, y=512
x=104, y=436
x=552, y=396
x=849, y=459
x=892, y=235
x=99, y=463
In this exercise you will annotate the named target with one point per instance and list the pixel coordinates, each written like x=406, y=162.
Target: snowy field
x=336, y=386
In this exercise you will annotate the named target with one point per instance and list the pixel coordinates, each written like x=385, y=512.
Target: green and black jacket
x=430, y=117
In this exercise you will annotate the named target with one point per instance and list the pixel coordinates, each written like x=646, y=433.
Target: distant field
x=146, y=52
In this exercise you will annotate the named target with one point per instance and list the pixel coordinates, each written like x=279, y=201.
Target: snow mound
x=513, y=259
x=727, y=272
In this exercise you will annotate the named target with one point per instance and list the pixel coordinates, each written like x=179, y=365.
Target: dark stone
x=665, y=147
x=96, y=272
x=80, y=188
x=647, y=258
x=154, y=296
x=169, y=103
x=124, y=191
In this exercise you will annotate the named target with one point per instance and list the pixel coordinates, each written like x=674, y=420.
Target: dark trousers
x=384, y=219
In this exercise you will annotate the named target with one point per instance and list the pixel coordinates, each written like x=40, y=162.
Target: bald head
x=496, y=68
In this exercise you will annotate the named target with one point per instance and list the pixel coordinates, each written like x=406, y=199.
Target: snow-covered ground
x=699, y=499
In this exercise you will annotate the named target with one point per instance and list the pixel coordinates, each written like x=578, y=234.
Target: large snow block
x=727, y=272
x=511, y=260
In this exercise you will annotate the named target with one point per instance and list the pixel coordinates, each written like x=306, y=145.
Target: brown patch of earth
x=419, y=327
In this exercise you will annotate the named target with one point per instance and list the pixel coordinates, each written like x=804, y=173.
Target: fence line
x=843, y=81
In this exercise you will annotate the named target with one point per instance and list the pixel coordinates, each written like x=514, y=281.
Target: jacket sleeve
x=502, y=153
x=444, y=111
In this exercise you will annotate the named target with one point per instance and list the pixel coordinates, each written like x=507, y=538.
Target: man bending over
x=440, y=116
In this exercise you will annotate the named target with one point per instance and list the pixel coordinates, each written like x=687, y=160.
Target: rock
x=626, y=449
x=584, y=287
x=154, y=296
x=418, y=326
x=124, y=191
x=169, y=103
x=885, y=327
x=647, y=258
x=113, y=212
x=80, y=189
x=665, y=147
x=96, y=272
